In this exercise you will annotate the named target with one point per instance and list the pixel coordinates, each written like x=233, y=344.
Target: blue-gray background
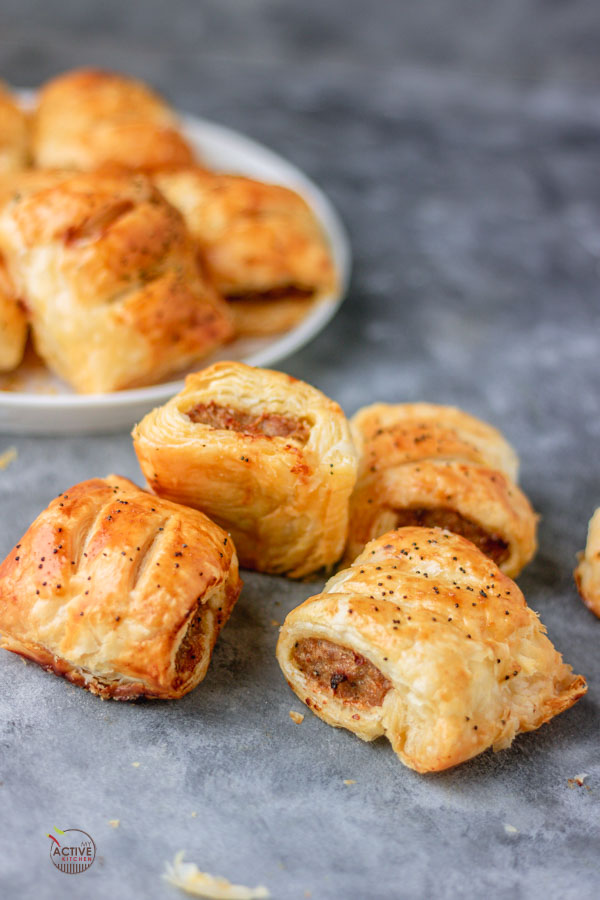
x=460, y=140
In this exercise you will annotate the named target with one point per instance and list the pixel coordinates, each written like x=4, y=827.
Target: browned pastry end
x=587, y=573
x=87, y=118
x=429, y=465
x=109, y=275
x=261, y=243
x=424, y=640
x=14, y=134
x=118, y=591
x=13, y=323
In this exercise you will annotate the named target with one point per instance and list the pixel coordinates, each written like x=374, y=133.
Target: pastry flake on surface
x=587, y=573
x=118, y=591
x=430, y=465
x=261, y=243
x=190, y=879
x=265, y=455
x=424, y=640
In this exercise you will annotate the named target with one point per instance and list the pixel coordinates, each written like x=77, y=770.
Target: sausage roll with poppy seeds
x=587, y=573
x=423, y=639
x=88, y=118
x=119, y=592
x=429, y=465
x=266, y=456
x=108, y=273
x=261, y=244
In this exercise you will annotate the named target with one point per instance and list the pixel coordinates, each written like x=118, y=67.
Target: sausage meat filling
x=191, y=647
x=490, y=544
x=286, y=292
x=347, y=674
x=229, y=419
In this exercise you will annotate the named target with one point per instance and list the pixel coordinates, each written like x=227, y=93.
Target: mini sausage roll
x=88, y=118
x=587, y=573
x=110, y=278
x=119, y=592
x=14, y=134
x=429, y=465
x=424, y=640
x=266, y=456
x=261, y=243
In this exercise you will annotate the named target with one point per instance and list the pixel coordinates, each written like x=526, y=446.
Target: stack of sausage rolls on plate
x=123, y=255
x=422, y=636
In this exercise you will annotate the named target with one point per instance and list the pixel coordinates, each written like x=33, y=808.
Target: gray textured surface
x=461, y=144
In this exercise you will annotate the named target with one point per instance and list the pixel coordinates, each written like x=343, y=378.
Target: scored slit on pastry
x=118, y=591
x=429, y=465
x=424, y=640
x=268, y=457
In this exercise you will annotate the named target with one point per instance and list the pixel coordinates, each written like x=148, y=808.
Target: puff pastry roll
x=587, y=573
x=14, y=134
x=118, y=591
x=430, y=465
x=424, y=640
x=13, y=324
x=110, y=278
x=88, y=118
x=261, y=243
x=266, y=456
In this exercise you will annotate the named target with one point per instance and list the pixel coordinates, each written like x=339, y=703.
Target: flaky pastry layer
x=425, y=464
x=267, y=456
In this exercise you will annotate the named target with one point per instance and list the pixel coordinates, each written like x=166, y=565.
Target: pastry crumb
x=193, y=815
x=296, y=716
x=349, y=781
x=275, y=623
x=510, y=829
x=136, y=765
x=577, y=780
x=188, y=878
x=8, y=457
x=114, y=822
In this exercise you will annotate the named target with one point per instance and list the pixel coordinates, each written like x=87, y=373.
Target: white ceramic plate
x=45, y=405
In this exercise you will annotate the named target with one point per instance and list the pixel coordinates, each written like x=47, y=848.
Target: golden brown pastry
x=423, y=464
x=110, y=278
x=120, y=592
x=261, y=244
x=587, y=573
x=424, y=640
x=88, y=118
x=266, y=456
x=14, y=134
x=13, y=324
